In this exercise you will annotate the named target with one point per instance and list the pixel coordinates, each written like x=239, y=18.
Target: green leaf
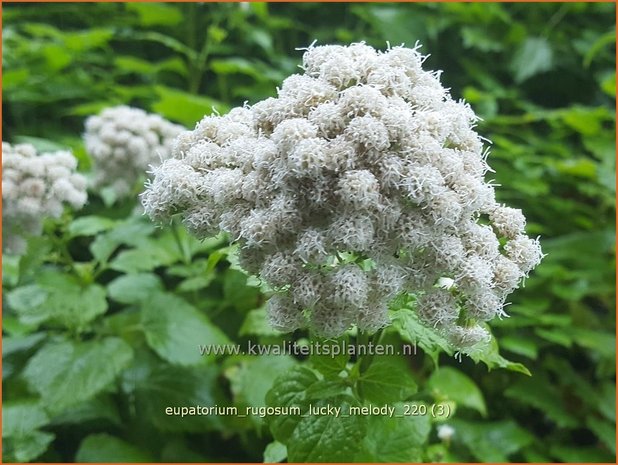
x=132, y=233
x=605, y=431
x=102, y=407
x=255, y=376
x=326, y=438
x=533, y=57
x=330, y=365
x=447, y=383
x=16, y=344
x=492, y=441
x=134, y=288
x=156, y=14
x=387, y=380
x=20, y=418
x=145, y=258
x=256, y=323
x=538, y=392
x=491, y=357
x=275, y=452
x=58, y=298
x=163, y=386
x=289, y=390
x=184, y=107
x=98, y=448
x=90, y=225
x=21, y=440
x=175, y=329
x=66, y=373
x=407, y=324
x=580, y=454
x=397, y=439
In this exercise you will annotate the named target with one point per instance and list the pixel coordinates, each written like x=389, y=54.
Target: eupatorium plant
x=123, y=141
x=362, y=180
x=35, y=187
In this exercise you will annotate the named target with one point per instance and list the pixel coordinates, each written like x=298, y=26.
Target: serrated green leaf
x=330, y=365
x=407, y=324
x=289, y=390
x=447, y=383
x=326, y=438
x=67, y=373
x=255, y=376
x=134, y=288
x=175, y=329
x=58, y=298
x=387, y=380
x=491, y=357
x=104, y=448
x=157, y=388
x=400, y=438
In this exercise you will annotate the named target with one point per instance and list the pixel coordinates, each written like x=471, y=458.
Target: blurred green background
x=541, y=76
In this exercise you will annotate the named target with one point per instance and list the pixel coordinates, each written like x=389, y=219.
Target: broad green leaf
x=183, y=107
x=67, y=373
x=254, y=377
x=156, y=389
x=289, y=390
x=387, y=380
x=447, y=383
x=133, y=232
x=16, y=344
x=175, y=329
x=26, y=448
x=534, y=56
x=100, y=408
x=144, y=258
x=22, y=417
x=492, y=441
x=58, y=298
x=330, y=365
x=90, y=225
x=101, y=448
x=397, y=439
x=326, y=438
x=156, y=14
x=134, y=288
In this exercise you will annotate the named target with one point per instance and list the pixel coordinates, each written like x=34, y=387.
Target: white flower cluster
x=363, y=179
x=123, y=142
x=35, y=187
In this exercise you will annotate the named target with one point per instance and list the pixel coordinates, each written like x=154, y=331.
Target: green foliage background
x=103, y=314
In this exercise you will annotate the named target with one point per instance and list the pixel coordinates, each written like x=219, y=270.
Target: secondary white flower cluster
x=35, y=187
x=363, y=179
x=123, y=142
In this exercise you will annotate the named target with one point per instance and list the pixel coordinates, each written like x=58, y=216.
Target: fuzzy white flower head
x=35, y=187
x=123, y=142
x=364, y=158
